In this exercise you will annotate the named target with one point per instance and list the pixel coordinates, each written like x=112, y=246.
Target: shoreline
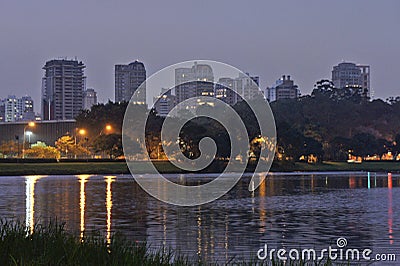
x=120, y=168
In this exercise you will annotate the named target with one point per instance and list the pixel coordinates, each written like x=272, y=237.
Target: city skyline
x=356, y=32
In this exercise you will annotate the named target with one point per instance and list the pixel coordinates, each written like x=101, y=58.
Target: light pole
x=81, y=132
x=108, y=128
x=30, y=124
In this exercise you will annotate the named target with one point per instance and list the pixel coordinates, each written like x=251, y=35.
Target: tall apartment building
x=225, y=90
x=89, y=98
x=2, y=111
x=164, y=102
x=195, y=81
x=128, y=78
x=62, y=89
x=284, y=88
x=13, y=109
x=352, y=76
x=232, y=90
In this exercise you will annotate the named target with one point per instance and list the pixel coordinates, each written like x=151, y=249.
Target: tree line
x=329, y=124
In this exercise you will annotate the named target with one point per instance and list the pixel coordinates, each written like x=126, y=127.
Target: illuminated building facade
x=128, y=78
x=62, y=89
x=284, y=88
x=348, y=75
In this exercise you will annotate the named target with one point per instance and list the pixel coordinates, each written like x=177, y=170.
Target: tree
x=364, y=144
x=111, y=144
x=396, y=146
x=10, y=149
x=38, y=151
x=312, y=147
x=68, y=147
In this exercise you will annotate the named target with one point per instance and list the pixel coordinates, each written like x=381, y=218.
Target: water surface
x=288, y=210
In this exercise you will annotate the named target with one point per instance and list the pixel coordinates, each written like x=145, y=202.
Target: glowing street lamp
x=107, y=128
x=30, y=124
x=81, y=132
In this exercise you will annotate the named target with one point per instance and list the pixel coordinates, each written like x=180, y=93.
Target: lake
x=302, y=210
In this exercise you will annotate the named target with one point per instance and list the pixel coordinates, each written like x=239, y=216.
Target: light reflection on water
x=310, y=210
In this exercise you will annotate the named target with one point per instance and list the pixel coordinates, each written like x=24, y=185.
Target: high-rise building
x=348, y=75
x=2, y=111
x=62, y=89
x=193, y=82
x=224, y=90
x=13, y=109
x=165, y=102
x=89, y=98
x=233, y=90
x=128, y=78
x=284, y=88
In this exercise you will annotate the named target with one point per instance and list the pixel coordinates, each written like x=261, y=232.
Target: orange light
x=82, y=132
x=108, y=127
x=31, y=124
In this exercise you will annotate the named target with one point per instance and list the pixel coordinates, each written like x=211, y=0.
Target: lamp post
x=30, y=124
x=81, y=132
x=107, y=128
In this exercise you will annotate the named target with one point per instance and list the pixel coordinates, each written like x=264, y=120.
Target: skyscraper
x=89, y=98
x=13, y=109
x=128, y=78
x=351, y=76
x=195, y=81
x=164, y=102
x=284, y=88
x=62, y=89
x=234, y=90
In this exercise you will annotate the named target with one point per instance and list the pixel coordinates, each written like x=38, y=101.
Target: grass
x=74, y=168
x=53, y=245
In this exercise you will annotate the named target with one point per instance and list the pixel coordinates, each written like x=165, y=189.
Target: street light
x=81, y=132
x=108, y=128
x=30, y=124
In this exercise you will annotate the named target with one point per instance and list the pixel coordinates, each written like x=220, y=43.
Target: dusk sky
x=266, y=38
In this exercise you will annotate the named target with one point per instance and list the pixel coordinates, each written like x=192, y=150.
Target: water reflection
x=390, y=208
x=30, y=182
x=82, y=202
x=286, y=210
x=109, y=180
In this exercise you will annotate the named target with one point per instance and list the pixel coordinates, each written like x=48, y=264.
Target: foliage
x=10, y=149
x=95, y=120
x=326, y=125
x=111, y=144
x=68, y=147
x=39, y=151
x=340, y=122
x=51, y=244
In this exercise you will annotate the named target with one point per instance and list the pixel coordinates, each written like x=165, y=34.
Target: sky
x=304, y=39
